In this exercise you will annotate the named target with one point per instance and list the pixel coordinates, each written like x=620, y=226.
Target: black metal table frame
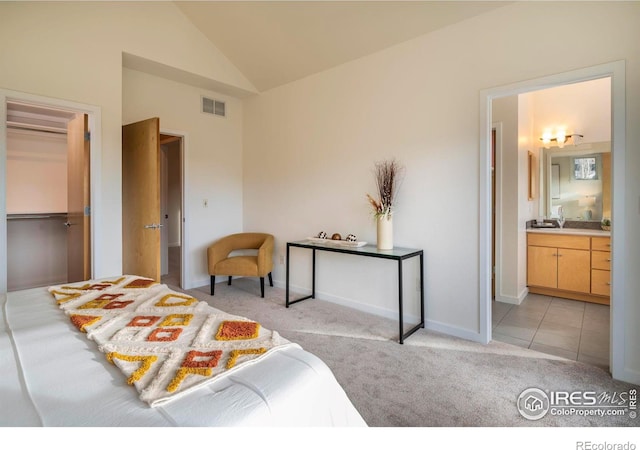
x=411, y=253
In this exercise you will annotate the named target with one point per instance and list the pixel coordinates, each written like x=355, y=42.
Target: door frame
x=184, y=269
x=616, y=71
x=94, y=114
x=496, y=210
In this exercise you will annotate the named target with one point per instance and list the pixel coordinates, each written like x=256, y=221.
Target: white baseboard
x=629, y=375
x=375, y=310
x=194, y=284
x=202, y=282
x=513, y=300
x=462, y=333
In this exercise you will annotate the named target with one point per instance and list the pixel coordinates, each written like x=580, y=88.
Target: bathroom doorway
x=616, y=72
x=560, y=323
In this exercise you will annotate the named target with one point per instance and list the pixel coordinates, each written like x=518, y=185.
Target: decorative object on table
x=351, y=241
x=606, y=224
x=336, y=237
x=322, y=235
x=388, y=175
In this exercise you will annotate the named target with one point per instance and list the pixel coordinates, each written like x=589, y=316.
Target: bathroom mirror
x=576, y=179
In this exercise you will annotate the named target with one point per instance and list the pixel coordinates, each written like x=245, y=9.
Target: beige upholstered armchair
x=259, y=265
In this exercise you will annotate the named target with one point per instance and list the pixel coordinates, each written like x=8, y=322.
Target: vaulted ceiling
x=276, y=42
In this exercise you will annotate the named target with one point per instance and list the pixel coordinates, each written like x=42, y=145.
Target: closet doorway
x=47, y=195
x=171, y=148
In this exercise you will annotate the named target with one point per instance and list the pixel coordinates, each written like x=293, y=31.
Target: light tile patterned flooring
x=567, y=328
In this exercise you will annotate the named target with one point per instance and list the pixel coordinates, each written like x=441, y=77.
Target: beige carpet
x=433, y=380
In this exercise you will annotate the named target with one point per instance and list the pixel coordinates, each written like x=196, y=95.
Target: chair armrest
x=218, y=251
x=265, y=256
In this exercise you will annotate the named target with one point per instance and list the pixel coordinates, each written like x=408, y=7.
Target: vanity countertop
x=577, y=231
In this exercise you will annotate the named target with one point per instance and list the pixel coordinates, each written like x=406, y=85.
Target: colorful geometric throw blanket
x=166, y=343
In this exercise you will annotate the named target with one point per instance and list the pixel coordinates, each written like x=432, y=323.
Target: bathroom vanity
x=569, y=263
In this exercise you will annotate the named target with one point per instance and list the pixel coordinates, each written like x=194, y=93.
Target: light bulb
x=561, y=138
x=546, y=138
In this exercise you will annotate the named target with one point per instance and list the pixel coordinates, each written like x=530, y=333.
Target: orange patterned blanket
x=166, y=343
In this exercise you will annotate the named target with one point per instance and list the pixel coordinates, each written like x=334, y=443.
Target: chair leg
x=262, y=287
x=270, y=280
x=229, y=283
x=213, y=283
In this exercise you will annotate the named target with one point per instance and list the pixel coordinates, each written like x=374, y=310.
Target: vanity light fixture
x=560, y=138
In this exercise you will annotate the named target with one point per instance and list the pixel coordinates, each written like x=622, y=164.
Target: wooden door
x=141, y=198
x=542, y=266
x=78, y=200
x=574, y=270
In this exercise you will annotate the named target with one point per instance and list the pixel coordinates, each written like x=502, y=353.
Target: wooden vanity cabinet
x=569, y=266
x=601, y=266
x=560, y=262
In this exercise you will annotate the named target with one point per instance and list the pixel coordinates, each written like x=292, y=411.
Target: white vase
x=385, y=232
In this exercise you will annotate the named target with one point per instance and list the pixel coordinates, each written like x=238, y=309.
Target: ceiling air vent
x=215, y=107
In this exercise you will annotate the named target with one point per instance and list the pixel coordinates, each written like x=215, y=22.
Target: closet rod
x=44, y=129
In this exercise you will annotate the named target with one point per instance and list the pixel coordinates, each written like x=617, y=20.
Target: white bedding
x=51, y=375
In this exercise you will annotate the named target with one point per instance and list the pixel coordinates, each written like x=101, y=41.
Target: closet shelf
x=36, y=216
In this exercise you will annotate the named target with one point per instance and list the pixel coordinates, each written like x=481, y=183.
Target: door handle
x=68, y=224
x=154, y=226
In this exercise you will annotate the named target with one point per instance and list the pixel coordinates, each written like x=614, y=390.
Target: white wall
x=505, y=112
x=36, y=172
x=310, y=145
x=527, y=209
x=37, y=252
x=582, y=108
x=213, y=158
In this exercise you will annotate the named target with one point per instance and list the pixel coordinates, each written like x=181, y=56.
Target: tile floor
x=567, y=328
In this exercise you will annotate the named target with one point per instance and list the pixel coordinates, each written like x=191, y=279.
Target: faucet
x=560, y=217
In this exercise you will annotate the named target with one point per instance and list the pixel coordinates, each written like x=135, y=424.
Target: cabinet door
x=601, y=243
x=601, y=282
x=574, y=270
x=542, y=266
x=601, y=260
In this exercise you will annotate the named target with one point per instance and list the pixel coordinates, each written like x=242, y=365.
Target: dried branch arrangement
x=388, y=175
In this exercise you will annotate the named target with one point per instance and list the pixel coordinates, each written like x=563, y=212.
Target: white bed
x=51, y=375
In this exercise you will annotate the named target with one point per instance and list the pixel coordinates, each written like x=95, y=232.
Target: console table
x=396, y=254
